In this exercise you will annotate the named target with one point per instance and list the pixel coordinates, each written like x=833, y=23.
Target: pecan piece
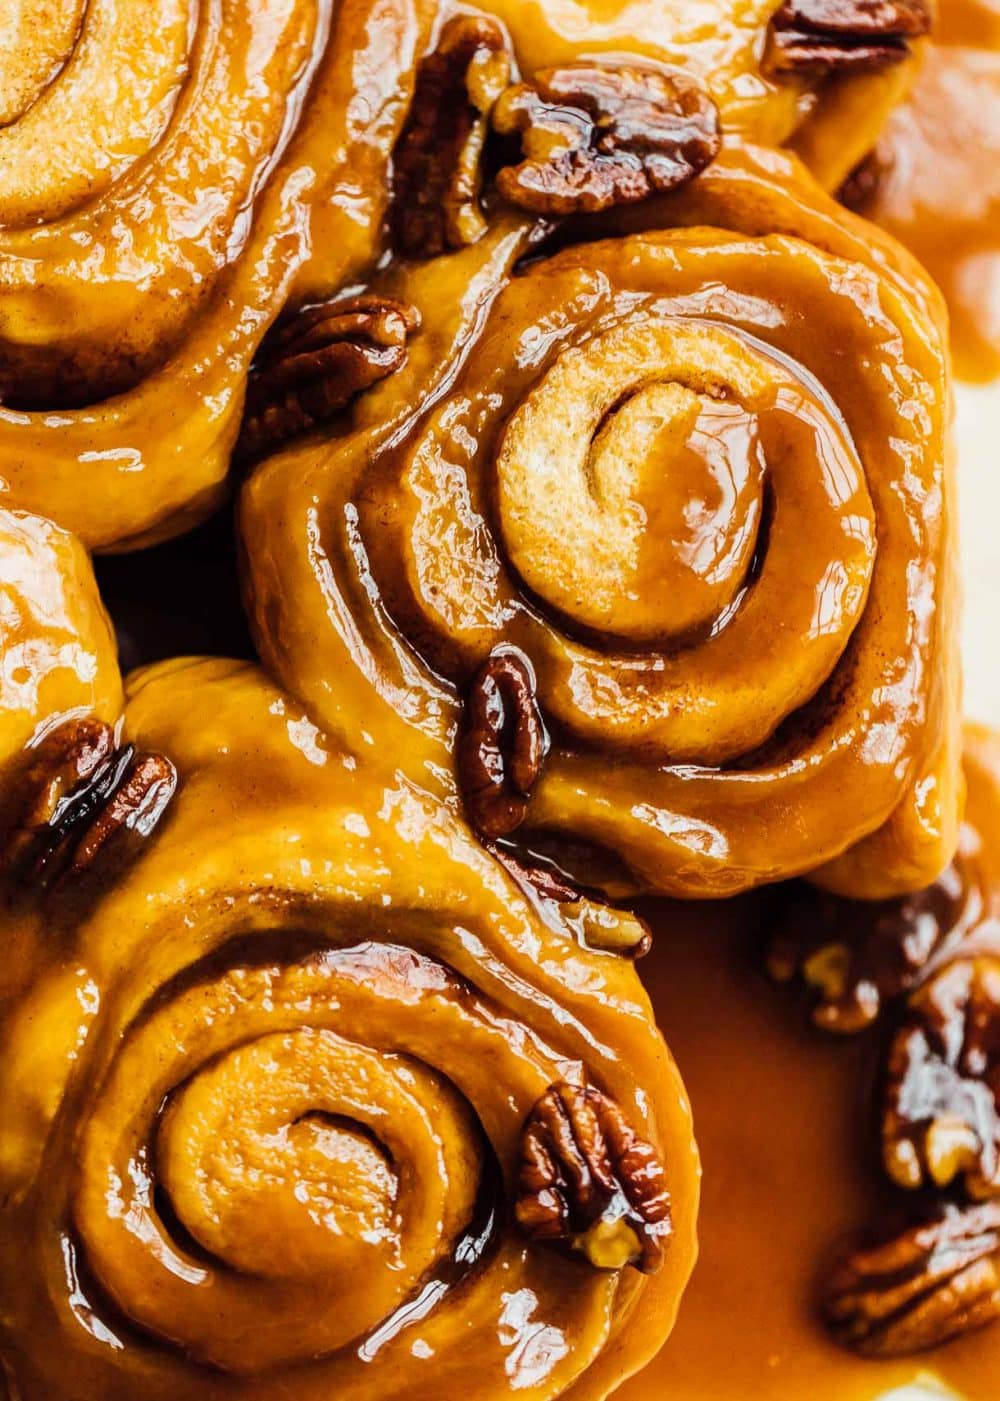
x=607, y=927
x=64, y=761
x=596, y=137
x=312, y=365
x=834, y=35
x=86, y=795
x=437, y=176
x=545, y=879
x=859, y=954
x=598, y=924
x=502, y=744
x=941, y=1113
x=932, y=1282
x=860, y=187
x=586, y=1180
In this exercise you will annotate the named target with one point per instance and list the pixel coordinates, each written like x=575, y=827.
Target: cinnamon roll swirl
x=313, y=1099
x=648, y=549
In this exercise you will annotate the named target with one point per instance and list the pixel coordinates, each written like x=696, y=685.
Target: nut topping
x=941, y=1117
x=437, y=163
x=933, y=1282
x=859, y=954
x=86, y=796
x=62, y=764
x=606, y=927
x=596, y=137
x=503, y=742
x=136, y=805
x=311, y=366
x=587, y=1181
x=860, y=187
x=598, y=924
x=833, y=35
x=545, y=880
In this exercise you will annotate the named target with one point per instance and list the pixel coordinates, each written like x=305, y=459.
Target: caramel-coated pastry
x=933, y=178
x=170, y=175
x=687, y=494
x=791, y=1168
x=312, y=1099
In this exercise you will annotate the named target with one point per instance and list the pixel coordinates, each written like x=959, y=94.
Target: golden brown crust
x=177, y=184
x=270, y=1041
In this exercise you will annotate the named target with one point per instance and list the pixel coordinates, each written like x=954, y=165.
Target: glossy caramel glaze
x=788, y=1135
x=736, y=693
x=934, y=178
x=263, y=1090
x=57, y=649
x=283, y=1041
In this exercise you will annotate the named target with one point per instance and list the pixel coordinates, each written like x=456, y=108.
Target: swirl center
x=630, y=501
x=286, y=1160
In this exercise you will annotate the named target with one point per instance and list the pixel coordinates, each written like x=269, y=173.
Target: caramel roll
x=686, y=494
x=317, y=1100
x=171, y=174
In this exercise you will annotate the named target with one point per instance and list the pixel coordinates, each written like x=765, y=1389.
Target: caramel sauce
x=785, y=1126
x=937, y=178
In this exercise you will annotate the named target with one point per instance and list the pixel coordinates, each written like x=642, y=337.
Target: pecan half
x=932, y=1282
x=858, y=954
x=941, y=1114
x=85, y=797
x=502, y=744
x=62, y=764
x=587, y=1181
x=833, y=35
x=595, y=137
x=437, y=175
x=312, y=365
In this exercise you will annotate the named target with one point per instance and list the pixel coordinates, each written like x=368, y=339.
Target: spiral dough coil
x=700, y=478
x=271, y=1136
